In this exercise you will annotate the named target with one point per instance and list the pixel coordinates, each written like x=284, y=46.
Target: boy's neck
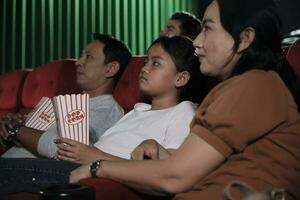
x=163, y=103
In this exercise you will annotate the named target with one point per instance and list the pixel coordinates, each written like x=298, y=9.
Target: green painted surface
x=34, y=32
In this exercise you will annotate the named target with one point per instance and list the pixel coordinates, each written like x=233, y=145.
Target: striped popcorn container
x=42, y=116
x=72, y=114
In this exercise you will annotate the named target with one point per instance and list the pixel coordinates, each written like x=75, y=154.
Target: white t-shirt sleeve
x=179, y=127
x=46, y=146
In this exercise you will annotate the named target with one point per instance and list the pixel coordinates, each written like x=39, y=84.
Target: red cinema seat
x=293, y=56
x=11, y=84
x=127, y=91
x=54, y=78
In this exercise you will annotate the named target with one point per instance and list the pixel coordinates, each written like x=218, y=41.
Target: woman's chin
x=205, y=70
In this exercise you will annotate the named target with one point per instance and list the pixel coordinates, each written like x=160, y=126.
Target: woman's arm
x=150, y=149
x=193, y=161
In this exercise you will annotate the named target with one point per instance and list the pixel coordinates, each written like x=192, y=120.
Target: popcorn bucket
x=42, y=116
x=72, y=112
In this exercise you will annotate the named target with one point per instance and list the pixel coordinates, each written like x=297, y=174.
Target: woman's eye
x=205, y=28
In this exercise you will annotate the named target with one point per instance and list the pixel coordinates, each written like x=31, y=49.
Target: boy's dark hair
x=265, y=51
x=181, y=51
x=114, y=50
x=190, y=25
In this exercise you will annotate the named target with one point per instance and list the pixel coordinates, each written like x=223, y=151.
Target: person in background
x=182, y=23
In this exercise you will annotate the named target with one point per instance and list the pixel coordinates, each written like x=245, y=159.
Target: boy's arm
x=73, y=151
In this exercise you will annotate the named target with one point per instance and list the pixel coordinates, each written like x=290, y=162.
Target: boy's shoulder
x=187, y=106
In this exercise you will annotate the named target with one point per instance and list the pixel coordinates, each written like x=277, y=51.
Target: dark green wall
x=33, y=32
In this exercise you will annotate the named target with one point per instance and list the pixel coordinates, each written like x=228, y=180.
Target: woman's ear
x=182, y=78
x=112, y=69
x=246, y=38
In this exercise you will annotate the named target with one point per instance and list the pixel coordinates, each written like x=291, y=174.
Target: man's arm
x=25, y=137
x=28, y=138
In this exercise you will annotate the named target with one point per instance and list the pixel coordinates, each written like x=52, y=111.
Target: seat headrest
x=10, y=87
x=127, y=92
x=293, y=56
x=51, y=79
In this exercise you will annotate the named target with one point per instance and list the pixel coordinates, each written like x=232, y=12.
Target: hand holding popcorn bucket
x=72, y=112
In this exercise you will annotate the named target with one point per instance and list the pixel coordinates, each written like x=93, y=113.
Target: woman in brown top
x=247, y=128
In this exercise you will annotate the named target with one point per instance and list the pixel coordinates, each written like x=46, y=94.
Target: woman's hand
x=149, y=149
x=73, y=151
x=80, y=173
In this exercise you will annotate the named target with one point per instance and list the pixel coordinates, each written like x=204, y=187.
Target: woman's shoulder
x=258, y=80
x=259, y=76
x=254, y=85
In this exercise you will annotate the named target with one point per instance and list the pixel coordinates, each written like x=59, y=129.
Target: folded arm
x=26, y=137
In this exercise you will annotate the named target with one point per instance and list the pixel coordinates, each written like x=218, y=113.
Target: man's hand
x=73, y=151
x=8, y=122
x=149, y=149
x=80, y=173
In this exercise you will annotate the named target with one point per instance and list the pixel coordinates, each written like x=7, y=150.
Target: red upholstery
x=127, y=91
x=10, y=86
x=293, y=56
x=54, y=78
x=108, y=189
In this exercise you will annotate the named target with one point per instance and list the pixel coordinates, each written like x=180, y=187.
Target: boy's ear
x=112, y=69
x=246, y=38
x=182, y=78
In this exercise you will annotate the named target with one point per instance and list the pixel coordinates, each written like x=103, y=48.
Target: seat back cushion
x=127, y=92
x=11, y=84
x=293, y=56
x=54, y=78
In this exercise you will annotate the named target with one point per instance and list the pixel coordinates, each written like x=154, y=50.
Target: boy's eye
x=155, y=63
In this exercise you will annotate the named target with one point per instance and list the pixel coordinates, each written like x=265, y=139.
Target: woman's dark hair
x=181, y=51
x=265, y=51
